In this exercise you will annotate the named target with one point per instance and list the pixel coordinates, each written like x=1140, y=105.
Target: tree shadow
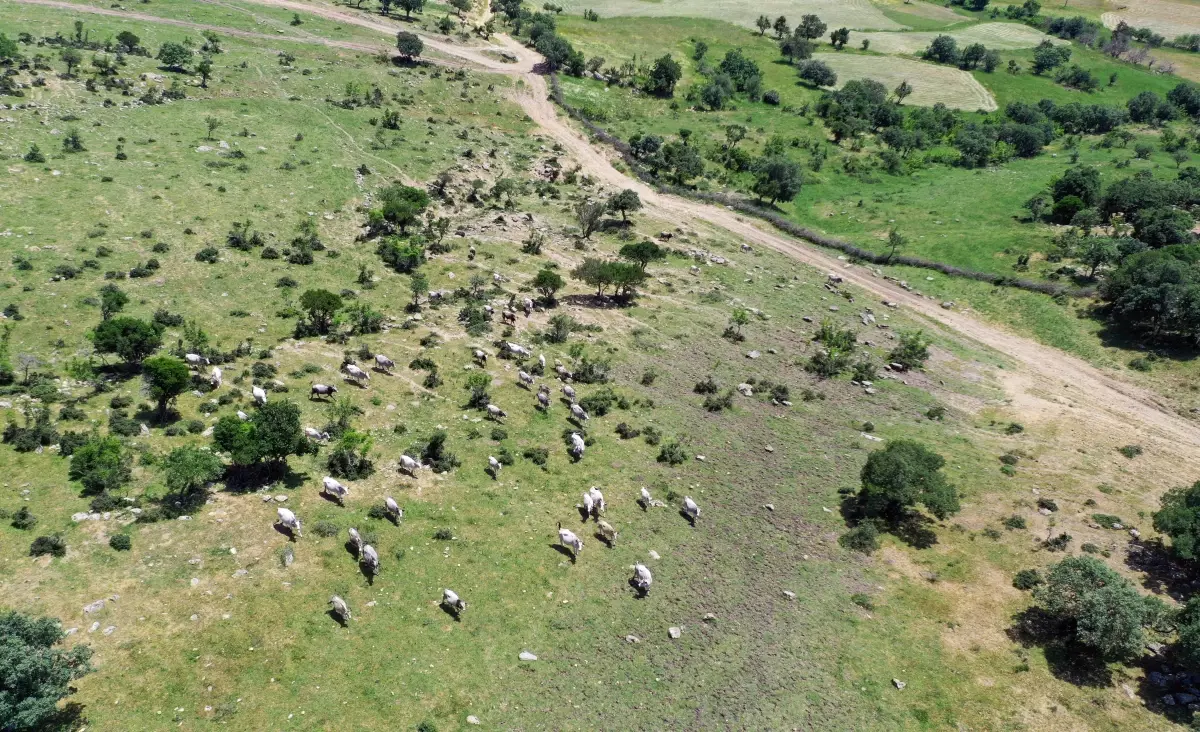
x=1066, y=659
x=564, y=551
x=248, y=478
x=154, y=418
x=68, y=718
x=1164, y=573
x=174, y=505
x=1164, y=686
x=593, y=301
x=911, y=527
x=1115, y=333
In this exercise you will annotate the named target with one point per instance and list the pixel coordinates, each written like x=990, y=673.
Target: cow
x=356, y=373
x=315, y=434
x=383, y=363
x=577, y=445
x=691, y=510
x=525, y=378
x=394, y=511
x=544, y=399
x=355, y=540
x=480, y=357
x=340, y=608
x=508, y=317
x=335, y=490
x=568, y=539
x=495, y=413
x=324, y=390
x=243, y=416
x=409, y=465
x=578, y=413
x=452, y=602
x=288, y=520
x=569, y=392
x=214, y=377
x=642, y=579
x=260, y=396
x=195, y=359
x=528, y=307
x=370, y=560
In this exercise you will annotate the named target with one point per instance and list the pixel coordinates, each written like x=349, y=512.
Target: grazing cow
x=495, y=412
x=642, y=579
x=335, y=490
x=480, y=357
x=646, y=500
x=568, y=539
x=578, y=413
x=524, y=378
x=288, y=520
x=494, y=464
x=569, y=392
x=243, y=416
x=509, y=317
x=491, y=311
x=214, y=378
x=577, y=445
x=597, y=499
x=316, y=434
x=195, y=359
x=340, y=608
x=356, y=373
x=691, y=510
x=370, y=559
x=607, y=531
x=260, y=396
x=355, y=540
x=517, y=349
x=497, y=277
x=393, y=508
x=588, y=505
x=409, y=465
x=324, y=390
x=544, y=399
x=562, y=371
x=452, y=602
x=542, y=361
x=383, y=363
x=528, y=307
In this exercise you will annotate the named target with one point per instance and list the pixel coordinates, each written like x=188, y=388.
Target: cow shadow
x=584, y=514
x=337, y=617
x=564, y=551
x=610, y=543
x=285, y=531
x=450, y=611
x=688, y=517
x=351, y=549
x=639, y=592
x=368, y=573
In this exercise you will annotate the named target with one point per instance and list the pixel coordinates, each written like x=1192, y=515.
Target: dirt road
x=1044, y=385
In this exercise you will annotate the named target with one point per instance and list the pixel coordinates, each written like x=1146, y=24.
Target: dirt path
x=1044, y=385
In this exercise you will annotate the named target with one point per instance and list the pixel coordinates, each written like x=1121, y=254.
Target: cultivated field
x=998, y=36
x=932, y=84
x=836, y=13
x=1165, y=17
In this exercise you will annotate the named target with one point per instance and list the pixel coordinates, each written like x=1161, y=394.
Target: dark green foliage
x=1027, y=579
x=643, y=253
x=120, y=542
x=708, y=386
x=38, y=430
x=901, y=475
x=672, y=453
x=101, y=464
x=325, y=529
x=599, y=403
x=435, y=454
x=912, y=351
x=1058, y=543
x=23, y=519
x=817, y=73
x=776, y=178
x=1108, y=521
x=863, y=600
x=627, y=432
x=1130, y=451
x=443, y=534
x=1098, y=608
x=129, y=338
x=663, y=76
x=272, y=434
x=863, y=538
x=34, y=674
x=166, y=378
x=1014, y=523
x=321, y=306
x=591, y=372
x=1156, y=293
x=174, y=55
x=409, y=45
x=1179, y=519
x=348, y=457
x=402, y=256
x=52, y=545
x=208, y=255
x=719, y=402
x=537, y=455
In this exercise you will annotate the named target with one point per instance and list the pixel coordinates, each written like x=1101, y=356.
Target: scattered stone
x=95, y=627
x=769, y=448
x=807, y=319
x=195, y=581
x=769, y=506
x=93, y=607
x=753, y=354
x=527, y=656
x=266, y=498
x=109, y=630
x=745, y=390
x=241, y=573
x=1135, y=533
x=1044, y=511
x=870, y=390
x=472, y=719
x=872, y=438
x=372, y=603
x=632, y=639
x=288, y=556
x=674, y=631
x=899, y=684
x=81, y=516
x=194, y=617
x=280, y=498
x=701, y=458
x=654, y=555
x=948, y=305
x=709, y=617
x=70, y=631
x=789, y=594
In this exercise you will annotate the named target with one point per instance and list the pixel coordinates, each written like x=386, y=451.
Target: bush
x=72, y=413
x=325, y=529
x=52, y=545
x=23, y=519
x=708, y=386
x=652, y=435
x=1047, y=503
x=1058, y=543
x=120, y=542
x=863, y=538
x=443, y=534
x=537, y=455
x=208, y=255
x=1108, y=521
x=377, y=512
x=672, y=453
x=863, y=600
x=1014, y=523
x=913, y=350
x=1130, y=451
x=1014, y=428
x=715, y=403
x=626, y=432
x=1027, y=579
x=599, y=403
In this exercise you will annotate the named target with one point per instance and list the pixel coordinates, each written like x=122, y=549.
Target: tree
x=400, y=206
x=896, y=241
x=839, y=38
x=1099, y=609
x=166, y=378
x=418, y=285
x=592, y=272
x=129, y=338
x=811, y=27
x=902, y=90
x=764, y=24
x=1048, y=56
x=1081, y=181
x=409, y=6
x=1179, y=519
x=643, y=253
x=321, y=306
x=548, y=282
x=1156, y=294
x=35, y=674
x=35, y=155
x=817, y=73
x=777, y=178
x=942, y=50
x=204, y=68
x=781, y=27
x=127, y=41
x=1162, y=225
x=112, y=299
x=556, y=49
x=175, y=56
x=624, y=202
x=271, y=434
x=739, y=318
x=71, y=58
x=901, y=475
x=663, y=76
x=796, y=47
x=972, y=56
x=912, y=351
x=461, y=6
x=589, y=214
x=212, y=123
x=189, y=468
x=101, y=464
x=409, y=45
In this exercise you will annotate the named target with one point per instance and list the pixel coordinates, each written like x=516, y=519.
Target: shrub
x=1014, y=428
x=1058, y=543
x=672, y=453
x=863, y=600
x=715, y=403
x=1108, y=521
x=72, y=413
x=651, y=435
x=599, y=403
x=443, y=534
x=863, y=538
x=708, y=386
x=23, y=519
x=937, y=413
x=648, y=377
x=1130, y=451
x=1027, y=579
x=1088, y=548
x=434, y=453
x=208, y=255
x=912, y=351
x=1014, y=523
x=537, y=455
x=377, y=512
x=902, y=474
x=325, y=529
x=626, y=432
x=120, y=542
x=1047, y=503
x=52, y=545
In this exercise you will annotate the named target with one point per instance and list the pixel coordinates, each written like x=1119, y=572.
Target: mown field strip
x=835, y=13
x=1161, y=16
x=931, y=84
x=1000, y=36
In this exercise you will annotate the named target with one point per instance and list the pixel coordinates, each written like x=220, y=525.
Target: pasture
x=1166, y=17
x=999, y=36
x=932, y=84
x=858, y=14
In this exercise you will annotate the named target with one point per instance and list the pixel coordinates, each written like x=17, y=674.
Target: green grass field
x=210, y=628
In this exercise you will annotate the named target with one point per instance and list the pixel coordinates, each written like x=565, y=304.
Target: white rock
x=898, y=683
x=527, y=656
x=789, y=594
x=94, y=607
x=654, y=555
x=472, y=719
x=674, y=631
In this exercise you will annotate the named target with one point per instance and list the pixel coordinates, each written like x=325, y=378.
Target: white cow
x=524, y=378
x=647, y=500
x=690, y=509
x=568, y=391
x=567, y=538
x=393, y=508
x=214, y=377
x=578, y=413
x=370, y=559
x=480, y=357
x=642, y=579
x=260, y=396
x=494, y=464
x=409, y=465
x=597, y=499
x=288, y=520
x=243, y=416
x=335, y=490
x=383, y=363
x=589, y=504
x=542, y=361
x=528, y=306
x=543, y=399
x=577, y=445
x=452, y=602
x=517, y=350
x=355, y=540
x=315, y=433
x=340, y=608
x=195, y=359
x=317, y=390
x=356, y=373
x=495, y=412
x=562, y=371
x=607, y=531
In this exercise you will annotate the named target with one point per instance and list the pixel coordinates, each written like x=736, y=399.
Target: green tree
x=100, y=465
x=912, y=351
x=112, y=300
x=902, y=91
x=624, y=202
x=1099, y=608
x=418, y=285
x=129, y=338
x=593, y=272
x=71, y=58
x=780, y=27
x=901, y=475
x=776, y=178
x=839, y=38
x=127, y=41
x=817, y=73
x=811, y=27
x=589, y=214
x=461, y=6
x=1187, y=647
x=1179, y=519
x=271, y=435
x=409, y=45
x=548, y=282
x=556, y=50
x=943, y=50
x=174, y=56
x=411, y=6
x=664, y=74
x=683, y=161
x=1048, y=56
x=643, y=252
x=166, y=378
x=400, y=206
x=35, y=674
x=738, y=319
x=9, y=50
x=321, y=306
x=204, y=68
x=189, y=468
x=764, y=24
x=896, y=241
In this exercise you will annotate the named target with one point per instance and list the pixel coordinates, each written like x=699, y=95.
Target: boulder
x=527, y=656
x=674, y=631
x=898, y=684
x=94, y=607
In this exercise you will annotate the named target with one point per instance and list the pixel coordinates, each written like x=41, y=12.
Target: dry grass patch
x=1161, y=16
x=931, y=84
x=835, y=13
x=1000, y=36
